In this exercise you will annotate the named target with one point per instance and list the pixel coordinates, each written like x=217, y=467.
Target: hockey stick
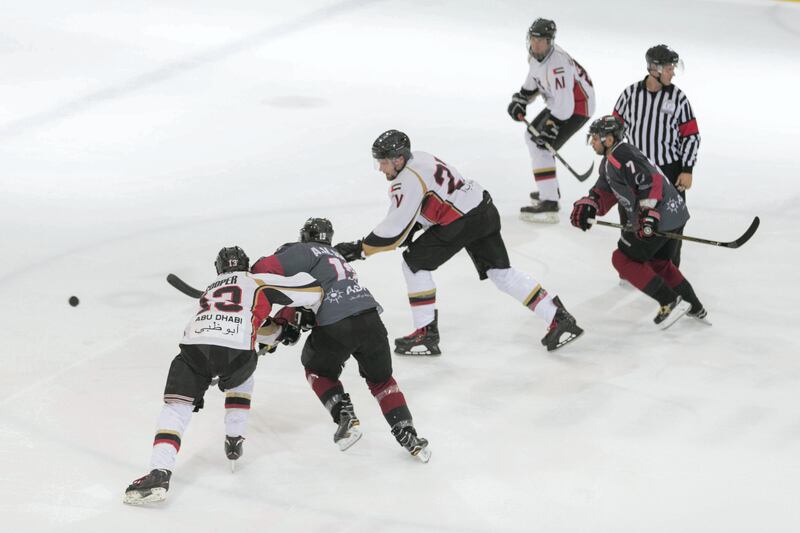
x=581, y=177
x=184, y=287
x=731, y=244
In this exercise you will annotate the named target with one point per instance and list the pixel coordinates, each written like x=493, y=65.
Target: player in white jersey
x=427, y=193
x=219, y=341
x=569, y=102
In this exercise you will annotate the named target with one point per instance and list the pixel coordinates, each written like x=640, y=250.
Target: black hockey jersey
x=628, y=177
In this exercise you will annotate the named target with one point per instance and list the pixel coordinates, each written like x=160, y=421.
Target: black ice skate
x=234, y=449
x=670, y=313
x=348, y=431
x=150, y=488
x=543, y=212
x=563, y=328
x=534, y=197
x=407, y=437
x=701, y=315
x=424, y=341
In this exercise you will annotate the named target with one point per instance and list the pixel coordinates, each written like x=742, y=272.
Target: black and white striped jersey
x=661, y=124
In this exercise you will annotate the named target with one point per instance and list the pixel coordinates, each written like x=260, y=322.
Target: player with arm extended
x=347, y=323
x=219, y=341
x=661, y=123
x=455, y=213
x=569, y=100
x=651, y=204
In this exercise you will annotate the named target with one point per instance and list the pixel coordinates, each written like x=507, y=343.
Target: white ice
x=137, y=138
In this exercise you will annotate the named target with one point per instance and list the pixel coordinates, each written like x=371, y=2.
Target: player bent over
x=427, y=193
x=347, y=324
x=219, y=341
x=651, y=203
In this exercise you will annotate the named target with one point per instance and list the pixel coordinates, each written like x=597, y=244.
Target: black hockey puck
x=73, y=301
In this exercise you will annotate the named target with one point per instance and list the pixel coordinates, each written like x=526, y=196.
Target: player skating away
x=219, y=340
x=455, y=213
x=569, y=102
x=651, y=203
x=347, y=324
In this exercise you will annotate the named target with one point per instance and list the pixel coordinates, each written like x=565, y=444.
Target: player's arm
x=690, y=143
x=288, y=260
x=598, y=202
x=520, y=100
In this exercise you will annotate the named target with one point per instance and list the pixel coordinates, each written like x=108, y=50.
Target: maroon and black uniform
x=627, y=177
x=348, y=324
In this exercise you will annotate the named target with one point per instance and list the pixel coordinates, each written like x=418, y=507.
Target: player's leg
x=324, y=353
x=236, y=369
x=375, y=366
x=663, y=264
x=633, y=261
x=183, y=394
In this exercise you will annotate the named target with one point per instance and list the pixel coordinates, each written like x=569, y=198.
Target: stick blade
x=182, y=286
x=582, y=177
x=745, y=236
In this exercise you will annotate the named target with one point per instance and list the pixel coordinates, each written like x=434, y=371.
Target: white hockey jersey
x=564, y=84
x=427, y=191
x=235, y=305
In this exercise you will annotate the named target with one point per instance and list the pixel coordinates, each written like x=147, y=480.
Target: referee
x=660, y=121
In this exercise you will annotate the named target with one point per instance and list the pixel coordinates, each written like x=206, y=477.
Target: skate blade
x=681, y=309
x=570, y=336
x=540, y=218
x=705, y=321
x=137, y=498
x=419, y=350
x=352, y=437
x=233, y=466
x=423, y=454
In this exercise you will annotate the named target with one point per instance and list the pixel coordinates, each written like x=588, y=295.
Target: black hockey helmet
x=542, y=28
x=391, y=144
x=608, y=125
x=232, y=259
x=317, y=230
x=660, y=55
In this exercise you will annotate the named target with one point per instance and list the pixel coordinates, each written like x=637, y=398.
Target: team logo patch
x=334, y=296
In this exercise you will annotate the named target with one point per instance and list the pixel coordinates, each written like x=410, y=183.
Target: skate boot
x=701, y=315
x=563, y=328
x=233, y=449
x=670, y=313
x=150, y=488
x=406, y=435
x=534, y=197
x=348, y=431
x=543, y=212
x=424, y=341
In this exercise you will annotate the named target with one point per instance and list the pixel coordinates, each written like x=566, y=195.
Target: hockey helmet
x=608, y=125
x=232, y=259
x=661, y=55
x=317, y=230
x=392, y=144
x=542, y=28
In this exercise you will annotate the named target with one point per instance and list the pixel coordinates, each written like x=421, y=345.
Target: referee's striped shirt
x=661, y=124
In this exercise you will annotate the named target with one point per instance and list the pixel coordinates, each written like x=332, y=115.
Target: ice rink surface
x=138, y=138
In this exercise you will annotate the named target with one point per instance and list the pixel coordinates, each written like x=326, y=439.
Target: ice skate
x=542, y=212
x=233, y=449
x=701, y=315
x=423, y=341
x=150, y=488
x=348, y=431
x=562, y=329
x=408, y=439
x=534, y=197
x=670, y=313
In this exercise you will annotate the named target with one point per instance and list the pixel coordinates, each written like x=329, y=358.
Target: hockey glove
x=648, y=223
x=305, y=318
x=350, y=250
x=582, y=211
x=517, y=107
x=290, y=331
x=547, y=133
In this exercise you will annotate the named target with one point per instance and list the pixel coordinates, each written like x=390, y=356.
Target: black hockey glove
x=517, y=107
x=290, y=334
x=648, y=223
x=305, y=318
x=350, y=250
x=547, y=133
x=583, y=210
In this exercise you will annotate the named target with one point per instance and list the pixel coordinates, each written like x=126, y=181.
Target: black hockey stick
x=731, y=244
x=184, y=287
x=548, y=146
